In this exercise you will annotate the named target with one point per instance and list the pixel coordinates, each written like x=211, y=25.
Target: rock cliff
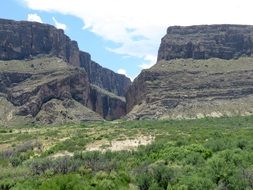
x=103, y=77
x=207, y=41
x=201, y=71
x=22, y=39
x=42, y=67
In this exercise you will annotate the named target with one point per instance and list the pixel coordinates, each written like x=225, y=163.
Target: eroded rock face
x=207, y=41
x=187, y=88
x=29, y=89
x=21, y=40
x=56, y=93
x=48, y=90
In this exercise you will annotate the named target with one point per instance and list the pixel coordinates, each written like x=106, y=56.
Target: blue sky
x=88, y=41
x=124, y=35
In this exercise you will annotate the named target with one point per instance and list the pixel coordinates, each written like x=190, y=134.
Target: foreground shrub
x=155, y=176
x=98, y=161
x=195, y=182
x=64, y=182
x=40, y=165
x=6, y=184
x=65, y=165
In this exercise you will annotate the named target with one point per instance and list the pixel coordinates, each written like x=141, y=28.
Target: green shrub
x=40, y=165
x=98, y=161
x=144, y=181
x=65, y=165
x=158, y=175
x=64, y=182
x=15, y=161
x=30, y=184
x=195, y=182
x=218, y=144
x=242, y=144
x=6, y=184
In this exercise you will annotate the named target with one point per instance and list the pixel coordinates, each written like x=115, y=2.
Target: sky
x=124, y=35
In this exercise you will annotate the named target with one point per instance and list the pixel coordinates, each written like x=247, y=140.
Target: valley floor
x=209, y=153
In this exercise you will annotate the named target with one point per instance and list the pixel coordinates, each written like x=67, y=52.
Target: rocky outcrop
x=104, y=78
x=56, y=111
x=207, y=41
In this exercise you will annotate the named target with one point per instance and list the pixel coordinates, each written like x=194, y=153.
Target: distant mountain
x=204, y=70
x=41, y=64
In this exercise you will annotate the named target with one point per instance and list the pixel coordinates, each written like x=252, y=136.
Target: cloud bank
x=137, y=26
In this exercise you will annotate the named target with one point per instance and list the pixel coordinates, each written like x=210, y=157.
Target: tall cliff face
x=207, y=41
x=104, y=78
x=201, y=71
x=20, y=40
x=36, y=83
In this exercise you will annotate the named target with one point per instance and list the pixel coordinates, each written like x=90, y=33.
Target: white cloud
x=139, y=25
x=150, y=61
x=146, y=65
x=122, y=71
x=59, y=25
x=34, y=18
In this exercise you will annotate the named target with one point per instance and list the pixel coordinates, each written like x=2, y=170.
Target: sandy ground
x=115, y=145
x=62, y=154
x=4, y=147
x=118, y=145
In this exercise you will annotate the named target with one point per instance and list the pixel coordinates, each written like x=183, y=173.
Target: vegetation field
x=209, y=153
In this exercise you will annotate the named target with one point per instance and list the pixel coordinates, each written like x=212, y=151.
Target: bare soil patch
x=119, y=145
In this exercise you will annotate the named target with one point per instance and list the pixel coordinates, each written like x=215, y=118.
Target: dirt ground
x=118, y=145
